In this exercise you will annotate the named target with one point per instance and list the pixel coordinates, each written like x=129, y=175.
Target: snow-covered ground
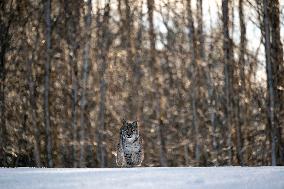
x=136, y=178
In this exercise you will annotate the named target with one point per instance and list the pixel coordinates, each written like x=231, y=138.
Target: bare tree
x=136, y=68
x=33, y=101
x=5, y=37
x=227, y=48
x=162, y=140
x=241, y=110
x=152, y=35
x=212, y=96
x=192, y=74
x=72, y=26
x=194, y=103
x=200, y=32
x=103, y=42
x=277, y=76
x=157, y=78
x=86, y=67
x=270, y=81
x=7, y=19
x=128, y=35
x=46, y=83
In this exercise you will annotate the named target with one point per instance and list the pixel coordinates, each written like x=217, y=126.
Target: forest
x=203, y=78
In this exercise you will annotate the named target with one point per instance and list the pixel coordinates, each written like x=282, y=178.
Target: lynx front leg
x=138, y=157
x=138, y=154
x=120, y=160
x=128, y=158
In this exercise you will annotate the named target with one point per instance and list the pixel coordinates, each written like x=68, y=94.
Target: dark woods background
x=70, y=71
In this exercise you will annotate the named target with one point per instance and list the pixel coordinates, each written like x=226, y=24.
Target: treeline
x=70, y=71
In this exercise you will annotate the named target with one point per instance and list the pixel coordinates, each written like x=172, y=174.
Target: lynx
x=129, y=149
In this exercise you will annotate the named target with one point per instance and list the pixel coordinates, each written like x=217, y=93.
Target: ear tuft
x=134, y=123
x=124, y=122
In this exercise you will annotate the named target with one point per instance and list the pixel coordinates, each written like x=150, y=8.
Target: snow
x=150, y=177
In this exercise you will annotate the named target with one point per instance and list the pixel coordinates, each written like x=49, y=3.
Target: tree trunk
x=74, y=94
x=85, y=75
x=212, y=106
x=72, y=13
x=271, y=97
x=200, y=34
x=152, y=35
x=101, y=121
x=136, y=69
x=192, y=74
x=127, y=41
x=277, y=76
x=46, y=83
x=241, y=110
x=227, y=47
x=6, y=18
x=3, y=129
x=212, y=96
x=163, y=149
x=32, y=99
x=103, y=43
x=155, y=71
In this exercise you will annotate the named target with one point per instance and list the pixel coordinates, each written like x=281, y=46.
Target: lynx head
x=129, y=131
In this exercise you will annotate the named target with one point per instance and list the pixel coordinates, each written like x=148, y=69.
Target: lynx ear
x=134, y=124
x=124, y=121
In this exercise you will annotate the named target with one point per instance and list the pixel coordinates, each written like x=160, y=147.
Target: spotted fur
x=129, y=149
